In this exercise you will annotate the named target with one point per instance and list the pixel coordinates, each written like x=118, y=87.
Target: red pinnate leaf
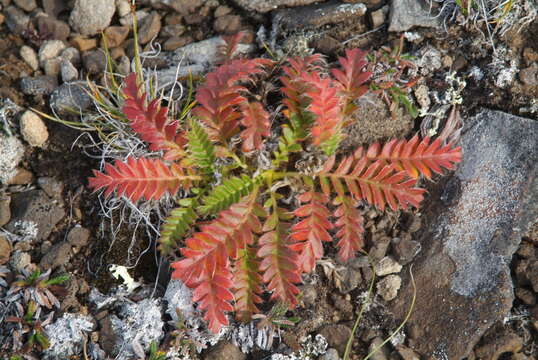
x=349, y=223
x=256, y=122
x=352, y=78
x=310, y=232
x=141, y=178
x=247, y=284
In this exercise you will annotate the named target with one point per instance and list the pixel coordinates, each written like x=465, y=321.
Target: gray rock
x=225, y=350
x=20, y=261
x=54, y=7
x=89, y=17
x=405, y=250
x=315, y=16
x=68, y=71
x=331, y=354
x=469, y=239
x=183, y=7
x=406, y=14
x=429, y=59
x=70, y=98
x=78, y=236
x=264, y=6
x=51, y=186
x=149, y=28
x=38, y=85
x=11, y=153
x=58, y=30
x=59, y=254
x=72, y=55
x=382, y=351
x=26, y=5
x=174, y=30
x=94, y=61
x=33, y=129
x=35, y=206
x=16, y=20
x=67, y=335
x=29, y=56
x=337, y=336
x=387, y=265
x=52, y=67
x=388, y=287
x=5, y=211
x=50, y=49
x=123, y=7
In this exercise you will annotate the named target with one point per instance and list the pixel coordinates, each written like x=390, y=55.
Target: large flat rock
x=462, y=275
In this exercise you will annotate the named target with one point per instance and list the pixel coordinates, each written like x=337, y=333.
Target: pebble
x=225, y=350
x=51, y=186
x=83, y=44
x=52, y=67
x=89, y=17
x=26, y=5
x=59, y=254
x=378, y=17
x=127, y=20
x=50, y=50
x=405, y=250
x=309, y=294
x=123, y=7
x=176, y=42
x=20, y=261
x=94, y=61
x=173, y=30
x=16, y=20
x=29, y=56
x=381, y=352
x=54, y=7
x=124, y=65
x=330, y=354
x=529, y=76
x=222, y=10
x=227, y=24
x=70, y=96
x=68, y=71
x=149, y=28
x=115, y=36
x=5, y=249
x=423, y=97
x=78, y=236
x=58, y=29
x=5, y=210
x=388, y=287
x=21, y=177
x=33, y=129
x=337, y=336
x=407, y=14
x=407, y=353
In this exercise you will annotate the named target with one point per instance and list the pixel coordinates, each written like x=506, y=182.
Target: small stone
x=5, y=210
x=54, y=7
x=83, y=44
x=26, y=5
x=58, y=255
x=21, y=177
x=33, y=129
x=50, y=49
x=309, y=295
x=2, y=18
x=225, y=350
x=227, y=24
x=5, y=249
x=381, y=351
x=222, y=10
x=68, y=71
x=58, y=30
x=326, y=44
x=318, y=15
x=38, y=85
x=16, y=20
x=529, y=76
x=117, y=53
x=386, y=266
x=89, y=17
x=115, y=36
x=407, y=14
x=127, y=20
x=173, y=19
x=176, y=42
x=94, y=61
x=381, y=245
x=337, y=336
x=378, y=17
x=526, y=296
x=52, y=67
x=20, y=261
x=330, y=354
x=422, y=95
x=11, y=154
x=123, y=7
x=505, y=342
x=29, y=56
x=78, y=236
x=405, y=250
x=149, y=28
x=407, y=353
x=388, y=287
x=51, y=187
x=351, y=280
x=173, y=30
x=124, y=65
x=447, y=61
x=70, y=97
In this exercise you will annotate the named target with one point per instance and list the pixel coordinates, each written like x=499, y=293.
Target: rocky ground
x=472, y=250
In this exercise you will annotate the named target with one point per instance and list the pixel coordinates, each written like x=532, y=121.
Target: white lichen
x=11, y=153
x=66, y=336
x=310, y=349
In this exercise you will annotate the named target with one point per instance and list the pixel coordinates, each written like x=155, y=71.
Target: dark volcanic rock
x=462, y=275
x=407, y=14
x=39, y=85
x=71, y=98
x=317, y=15
x=35, y=206
x=264, y=6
